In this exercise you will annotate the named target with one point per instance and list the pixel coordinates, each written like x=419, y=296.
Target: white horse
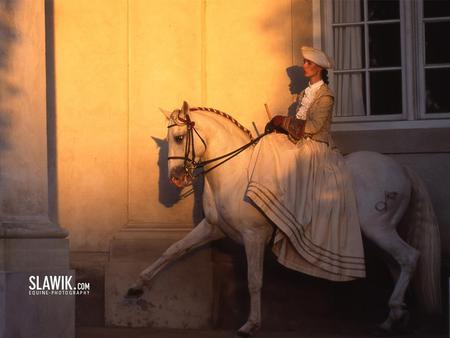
x=198, y=135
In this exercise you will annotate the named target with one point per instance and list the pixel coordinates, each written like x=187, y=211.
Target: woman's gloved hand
x=288, y=125
x=275, y=124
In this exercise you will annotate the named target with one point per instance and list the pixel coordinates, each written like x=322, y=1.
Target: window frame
x=422, y=67
x=413, y=71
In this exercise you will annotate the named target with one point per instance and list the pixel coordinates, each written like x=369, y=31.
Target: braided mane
x=227, y=116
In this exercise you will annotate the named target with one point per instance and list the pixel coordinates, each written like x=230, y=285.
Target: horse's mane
x=227, y=116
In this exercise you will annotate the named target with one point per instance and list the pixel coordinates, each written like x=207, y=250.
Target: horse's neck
x=222, y=137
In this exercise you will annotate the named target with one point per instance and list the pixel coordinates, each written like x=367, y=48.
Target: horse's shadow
x=169, y=195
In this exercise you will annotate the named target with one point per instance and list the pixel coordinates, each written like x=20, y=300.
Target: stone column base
x=39, y=316
x=181, y=296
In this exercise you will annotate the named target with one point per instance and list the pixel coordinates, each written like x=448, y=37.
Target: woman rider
x=316, y=123
x=302, y=185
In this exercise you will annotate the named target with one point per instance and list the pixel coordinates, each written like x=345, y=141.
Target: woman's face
x=310, y=69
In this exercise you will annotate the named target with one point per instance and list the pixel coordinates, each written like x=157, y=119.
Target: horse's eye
x=179, y=138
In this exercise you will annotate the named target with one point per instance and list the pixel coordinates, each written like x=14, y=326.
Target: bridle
x=189, y=150
x=190, y=164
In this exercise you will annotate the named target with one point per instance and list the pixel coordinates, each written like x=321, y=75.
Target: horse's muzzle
x=179, y=177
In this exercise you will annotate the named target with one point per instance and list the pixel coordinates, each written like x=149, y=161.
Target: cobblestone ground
x=152, y=333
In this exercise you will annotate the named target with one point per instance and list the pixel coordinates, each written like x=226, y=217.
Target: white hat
x=316, y=56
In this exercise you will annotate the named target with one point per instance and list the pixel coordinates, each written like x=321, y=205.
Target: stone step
x=91, y=332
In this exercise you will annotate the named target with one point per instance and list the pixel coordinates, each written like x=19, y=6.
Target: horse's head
x=186, y=147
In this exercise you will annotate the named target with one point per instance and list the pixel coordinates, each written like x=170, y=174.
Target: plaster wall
x=248, y=48
x=165, y=46
x=91, y=102
x=117, y=62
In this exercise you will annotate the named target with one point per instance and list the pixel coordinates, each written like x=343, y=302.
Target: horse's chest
x=228, y=221
x=223, y=213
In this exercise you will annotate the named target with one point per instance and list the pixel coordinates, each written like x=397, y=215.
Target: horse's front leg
x=255, y=243
x=202, y=234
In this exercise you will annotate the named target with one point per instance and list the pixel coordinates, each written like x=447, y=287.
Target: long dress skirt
x=306, y=191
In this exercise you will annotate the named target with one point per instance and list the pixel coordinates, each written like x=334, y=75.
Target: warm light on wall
x=117, y=62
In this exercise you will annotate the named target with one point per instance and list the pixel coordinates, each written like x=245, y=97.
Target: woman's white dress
x=306, y=191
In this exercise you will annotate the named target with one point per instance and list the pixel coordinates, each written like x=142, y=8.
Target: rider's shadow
x=298, y=81
x=168, y=194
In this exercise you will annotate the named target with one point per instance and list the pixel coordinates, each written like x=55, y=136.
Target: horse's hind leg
x=202, y=234
x=406, y=256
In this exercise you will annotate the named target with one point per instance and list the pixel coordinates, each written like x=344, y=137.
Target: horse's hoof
x=248, y=329
x=395, y=326
x=134, y=293
x=401, y=326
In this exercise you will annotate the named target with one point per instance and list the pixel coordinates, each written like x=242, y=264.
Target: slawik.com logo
x=56, y=285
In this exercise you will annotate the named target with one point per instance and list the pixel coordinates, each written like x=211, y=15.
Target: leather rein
x=190, y=164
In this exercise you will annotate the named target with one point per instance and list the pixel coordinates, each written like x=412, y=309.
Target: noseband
x=190, y=164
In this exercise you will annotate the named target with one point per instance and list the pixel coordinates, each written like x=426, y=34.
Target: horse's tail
x=422, y=233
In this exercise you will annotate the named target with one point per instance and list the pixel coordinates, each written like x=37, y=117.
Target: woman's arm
x=316, y=120
x=319, y=115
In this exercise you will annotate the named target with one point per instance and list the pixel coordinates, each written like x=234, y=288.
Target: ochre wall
x=91, y=98
x=165, y=69
x=117, y=62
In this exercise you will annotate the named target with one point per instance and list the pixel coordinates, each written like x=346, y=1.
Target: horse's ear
x=166, y=113
x=185, y=108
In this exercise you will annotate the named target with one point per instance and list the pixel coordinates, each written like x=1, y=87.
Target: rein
x=190, y=165
x=227, y=156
